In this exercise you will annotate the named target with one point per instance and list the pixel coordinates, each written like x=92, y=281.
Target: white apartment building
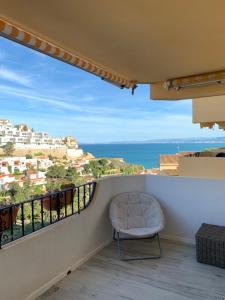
x=5, y=180
x=11, y=164
x=22, y=135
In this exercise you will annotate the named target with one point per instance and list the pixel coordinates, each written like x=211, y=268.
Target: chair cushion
x=140, y=232
x=136, y=213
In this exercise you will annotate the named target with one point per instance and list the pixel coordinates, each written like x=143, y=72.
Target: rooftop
x=169, y=159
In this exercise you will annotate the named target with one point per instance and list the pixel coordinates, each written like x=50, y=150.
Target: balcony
x=81, y=247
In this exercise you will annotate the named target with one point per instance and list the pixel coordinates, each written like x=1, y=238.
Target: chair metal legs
x=116, y=237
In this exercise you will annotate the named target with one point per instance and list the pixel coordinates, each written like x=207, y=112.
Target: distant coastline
x=200, y=140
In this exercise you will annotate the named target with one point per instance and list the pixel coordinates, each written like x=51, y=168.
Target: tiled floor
x=176, y=276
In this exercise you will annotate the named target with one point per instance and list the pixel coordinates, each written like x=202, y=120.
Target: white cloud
x=15, y=77
x=66, y=104
x=2, y=55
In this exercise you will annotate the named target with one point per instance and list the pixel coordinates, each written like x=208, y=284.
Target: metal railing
x=20, y=219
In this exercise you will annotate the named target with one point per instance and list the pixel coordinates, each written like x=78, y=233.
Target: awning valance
x=211, y=125
x=30, y=40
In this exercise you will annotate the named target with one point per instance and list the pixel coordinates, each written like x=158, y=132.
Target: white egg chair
x=136, y=215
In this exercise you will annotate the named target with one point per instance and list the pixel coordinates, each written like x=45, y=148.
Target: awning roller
x=30, y=40
x=195, y=80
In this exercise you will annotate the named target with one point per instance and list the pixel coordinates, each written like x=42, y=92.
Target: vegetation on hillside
x=8, y=149
x=60, y=174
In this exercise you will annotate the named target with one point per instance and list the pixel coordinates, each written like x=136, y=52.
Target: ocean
x=144, y=154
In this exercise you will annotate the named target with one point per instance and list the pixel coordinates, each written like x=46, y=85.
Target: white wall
x=209, y=109
x=33, y=264
x=75, y=152
x=206, y=167
x=187, y=203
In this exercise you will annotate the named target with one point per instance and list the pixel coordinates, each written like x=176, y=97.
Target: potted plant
x=57, y=199
x=8, y=213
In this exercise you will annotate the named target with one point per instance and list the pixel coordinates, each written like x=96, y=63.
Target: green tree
x=98, y=167
x=8, y=149
x=13, y=188
x=18, y=193
x=51, y=157
x=16, y=172
x=29, y=156
x=52, y=186
x=39, y=153
x=56, y=171
x=71, y=174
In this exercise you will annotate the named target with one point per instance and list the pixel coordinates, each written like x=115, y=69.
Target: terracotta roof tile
x=169, y=159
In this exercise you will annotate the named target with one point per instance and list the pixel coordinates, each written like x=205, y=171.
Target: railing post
x=11, y=221
x=32, y=214
x=65, y=203
x=89, y=190
x=72, y=198
x=78, y=199
x=84, y=195
x=22, y=217
x=50, y=208
x=58, y=204
x=1, y=227
x=42, y=213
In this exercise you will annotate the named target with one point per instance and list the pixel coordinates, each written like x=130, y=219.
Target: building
x=13, y=164
x=43, y=162
x=36, y=177
x=19, y=164
x=205, y=164
x=24, y=137
x=5, y=181
x=170, y=163
x=209, y=112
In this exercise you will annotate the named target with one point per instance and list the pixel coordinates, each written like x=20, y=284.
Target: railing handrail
x=6, y=206
x=42, y=211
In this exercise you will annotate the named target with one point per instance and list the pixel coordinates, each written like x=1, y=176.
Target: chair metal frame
x=116, y=237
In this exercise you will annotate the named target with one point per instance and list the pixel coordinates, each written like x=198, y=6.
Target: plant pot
x=58, y=201
x=5, y=217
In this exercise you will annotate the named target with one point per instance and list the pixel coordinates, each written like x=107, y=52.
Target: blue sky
x=51, y=96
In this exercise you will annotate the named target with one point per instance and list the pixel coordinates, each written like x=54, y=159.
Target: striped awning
x=126, y=43
x=30, y=40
